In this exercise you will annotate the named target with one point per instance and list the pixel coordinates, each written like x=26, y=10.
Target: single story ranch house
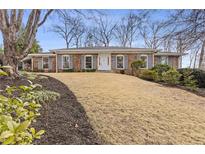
x=113, y=59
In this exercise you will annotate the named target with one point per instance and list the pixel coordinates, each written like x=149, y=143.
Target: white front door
x=104, y=61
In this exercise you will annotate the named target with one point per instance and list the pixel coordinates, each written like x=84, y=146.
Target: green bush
x=171, y=77
x=136, y=65
x=89, y=70
x=149, y=75
x=187, y=78
x=199, y=76
x=2, y=73
x=68, y=70
x=160, y=69
x=19, y=107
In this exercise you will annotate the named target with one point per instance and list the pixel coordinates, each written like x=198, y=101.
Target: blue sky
x=49, y=40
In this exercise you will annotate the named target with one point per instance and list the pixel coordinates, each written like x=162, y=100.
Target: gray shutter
x=40, y=65
x=59, y=61
x=150, y=61
x=49, y=63
x=94, y=61
x=113, y=62
x=71, y=61
x=82, y=62
x=126, y=61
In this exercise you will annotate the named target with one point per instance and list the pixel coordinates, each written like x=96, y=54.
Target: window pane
x=164, y=60
x=45, y=62
x=144, y=58
x=120, y=61
x=88, y=62
x=66, y=62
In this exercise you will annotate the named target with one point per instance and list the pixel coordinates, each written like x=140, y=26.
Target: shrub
x=89, y=70
x=160, y=69
x=187, y=78
x=136, y=65
x=122, y=71
x=149, y=75
x=19, y=108
x=171, y=77
x=2, y=73
x=68, y=70
x=199, y=76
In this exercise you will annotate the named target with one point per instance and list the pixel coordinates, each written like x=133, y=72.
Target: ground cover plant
x=19, y=108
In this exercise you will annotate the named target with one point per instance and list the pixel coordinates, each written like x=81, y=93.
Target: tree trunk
x=195, y=58
x=201, y=58
x=10, y=59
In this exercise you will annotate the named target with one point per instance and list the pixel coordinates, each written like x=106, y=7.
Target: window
x=145, y=59
x=88, y=62
x=120, y=61
x=45, y=62
x=66, y=61
x=164, y=60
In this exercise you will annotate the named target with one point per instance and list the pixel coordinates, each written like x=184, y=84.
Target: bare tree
x=151, y=34
x=78, y=31
x=65, y=27
x=127, y=28
x=104, y=31
x=190, y=26
x=10, y=23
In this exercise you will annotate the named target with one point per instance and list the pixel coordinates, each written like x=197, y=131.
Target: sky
x=49, y=40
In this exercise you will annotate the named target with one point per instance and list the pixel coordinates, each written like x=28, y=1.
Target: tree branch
x=45, y=17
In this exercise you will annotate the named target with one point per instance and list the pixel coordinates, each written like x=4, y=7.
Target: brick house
x=113, y=59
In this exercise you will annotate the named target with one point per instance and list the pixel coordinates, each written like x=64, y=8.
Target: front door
x=104, y=61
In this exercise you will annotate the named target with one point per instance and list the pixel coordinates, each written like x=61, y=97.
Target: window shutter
x=82, y=61
x=60, y=61
x=126, y=61
x=40, y=64
x=94, y=62
x=49, y=63
x=71, y=61
x=113, y=62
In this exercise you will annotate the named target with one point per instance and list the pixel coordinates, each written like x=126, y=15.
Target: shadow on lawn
x=67, y=119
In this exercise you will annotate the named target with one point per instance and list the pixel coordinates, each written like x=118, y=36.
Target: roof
x=95, y=50
x=112, y=49
x=29, y=56
x=169, y=54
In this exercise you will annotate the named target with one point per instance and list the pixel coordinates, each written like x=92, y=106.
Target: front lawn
x=124, y=109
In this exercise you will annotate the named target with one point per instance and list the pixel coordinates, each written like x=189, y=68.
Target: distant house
x=112, y=59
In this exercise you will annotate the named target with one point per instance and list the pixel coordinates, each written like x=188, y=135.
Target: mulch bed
x=67, y=122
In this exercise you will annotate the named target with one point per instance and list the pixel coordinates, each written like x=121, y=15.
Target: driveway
x=126, y=110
